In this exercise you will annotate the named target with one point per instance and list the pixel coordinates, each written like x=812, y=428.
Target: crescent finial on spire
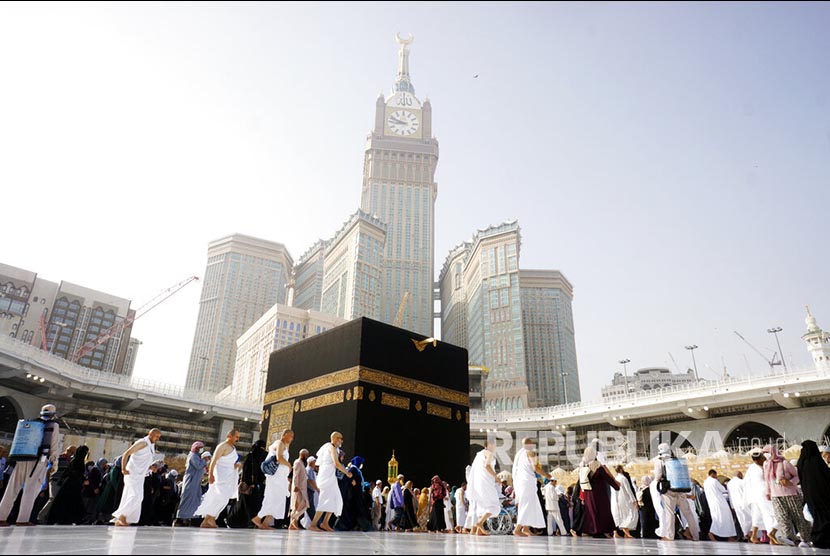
x=403, y=81
x=404, y=42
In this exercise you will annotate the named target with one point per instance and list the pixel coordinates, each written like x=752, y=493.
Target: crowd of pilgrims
x=774, y=501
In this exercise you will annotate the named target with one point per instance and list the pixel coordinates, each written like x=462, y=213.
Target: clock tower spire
x=399, y=188
x=403, y=82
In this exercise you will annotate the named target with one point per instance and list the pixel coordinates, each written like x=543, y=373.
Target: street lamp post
x=692, y=348
x=775, y=331
x=625, y=362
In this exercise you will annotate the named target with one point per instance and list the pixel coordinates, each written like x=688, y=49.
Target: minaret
x=818, y=343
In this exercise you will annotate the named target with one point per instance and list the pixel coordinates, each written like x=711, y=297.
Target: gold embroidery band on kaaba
x=331, y=380
x=317, y=402
x=439, y=410
x=392, y=400
x=371, y=376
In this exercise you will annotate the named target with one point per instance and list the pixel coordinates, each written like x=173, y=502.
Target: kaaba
x=369, y=381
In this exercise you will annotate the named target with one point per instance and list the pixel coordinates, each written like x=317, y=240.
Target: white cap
x=400, y=476
x=312, y=459
x=206, y=454
x=378, y=482
x=825, y=449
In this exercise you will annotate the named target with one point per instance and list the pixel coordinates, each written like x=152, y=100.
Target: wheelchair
x=504, y=523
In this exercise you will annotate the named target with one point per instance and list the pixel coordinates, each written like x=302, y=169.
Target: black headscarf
x=251, y=472
x=814, y=476
x=78, y=463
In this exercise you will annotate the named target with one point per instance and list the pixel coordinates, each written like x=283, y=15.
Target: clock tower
x=399, y=188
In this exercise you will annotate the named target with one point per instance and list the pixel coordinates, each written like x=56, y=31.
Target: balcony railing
x=43, y=359
x=678, y=392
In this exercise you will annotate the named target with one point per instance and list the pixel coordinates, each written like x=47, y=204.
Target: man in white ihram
x=276, y=485
x=483, y=487
x=331, y=502
x=735, y=486
x=624, y=508
x=223, y=479
x=135, y=463
x=716, y=496
x=525, y=467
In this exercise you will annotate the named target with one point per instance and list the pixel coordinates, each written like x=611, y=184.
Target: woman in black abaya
x=814, y=476
x=356, y=514
x=68, y=506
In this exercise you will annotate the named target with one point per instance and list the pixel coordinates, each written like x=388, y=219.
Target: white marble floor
x=167, y=540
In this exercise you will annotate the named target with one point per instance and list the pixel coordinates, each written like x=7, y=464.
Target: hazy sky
x=672, y=160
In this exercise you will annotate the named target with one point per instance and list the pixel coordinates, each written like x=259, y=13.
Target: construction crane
x=401, y=310
x=676, y=368
x=771, y=362
x=122, y=324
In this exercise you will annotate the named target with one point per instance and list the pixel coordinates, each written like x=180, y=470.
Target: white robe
x=225, y=486
x=482, y=490
x=551, y=495
x=657, y=502
x=551, y=498
x=735, y=486
x=623, y=504
x=524, y=485
x=448, y=517
x=460, y=508
x=276, y=488
x=722, y=523
x=471, y=511
x=133, y=494
x=761, y=509
x=330, y=498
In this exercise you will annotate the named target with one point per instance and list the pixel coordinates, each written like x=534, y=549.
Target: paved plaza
x=167, y=540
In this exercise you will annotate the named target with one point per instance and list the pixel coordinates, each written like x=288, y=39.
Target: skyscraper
x=245, y=277
x=308, y=277
x=517, y=323
x=279, y=327
x=550, y=344
x=352, y=269
x=399, y=188
x=487, y=270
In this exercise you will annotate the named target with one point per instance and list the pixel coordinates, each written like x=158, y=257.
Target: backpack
x=28, y=440
x=270, y=465
x=676, y=476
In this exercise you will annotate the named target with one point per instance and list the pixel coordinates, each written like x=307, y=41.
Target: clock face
x=403, y=122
